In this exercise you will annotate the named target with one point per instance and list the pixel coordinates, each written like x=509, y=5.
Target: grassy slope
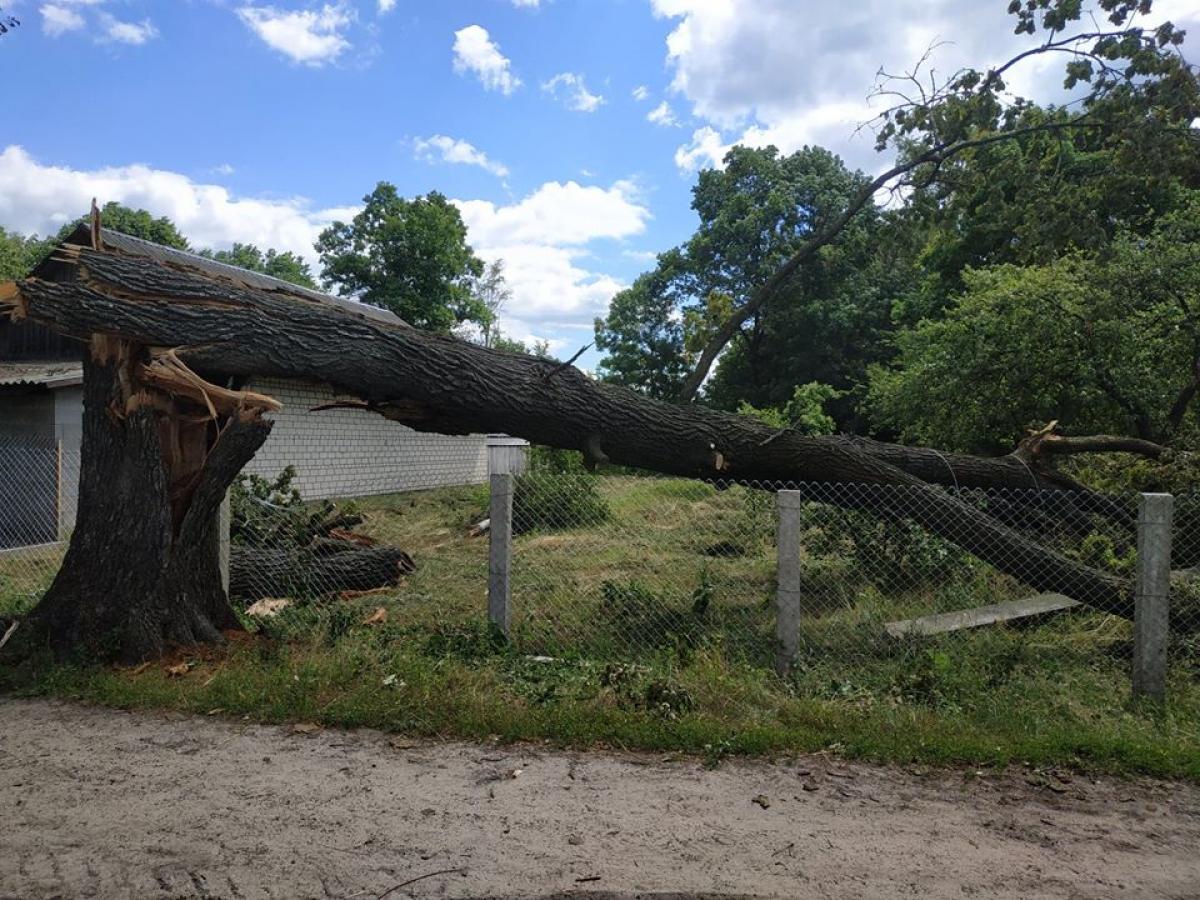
x=1051, y=694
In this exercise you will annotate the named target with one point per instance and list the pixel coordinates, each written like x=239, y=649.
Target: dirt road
x=98, y=803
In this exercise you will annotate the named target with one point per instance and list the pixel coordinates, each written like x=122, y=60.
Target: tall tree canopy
x=1039, y=196
x=138, y=223
x=491, y=289
x=1107, y=341
x=284, y=265
x=753, y=214
x=409, y=256
x=20, y=253
x=1128, y=82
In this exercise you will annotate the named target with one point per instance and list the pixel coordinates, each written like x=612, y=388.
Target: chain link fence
x=39, y=479
x=844, y=579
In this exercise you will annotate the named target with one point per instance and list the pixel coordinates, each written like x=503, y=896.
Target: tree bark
x=438, y=383
x=255, y=572
x=141, y=572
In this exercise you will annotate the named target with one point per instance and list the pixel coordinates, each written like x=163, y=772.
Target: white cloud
x=475, y=51
x=705, y=150
x=645, y=257
x=135, y=33
x=452, y=150
x=558, y=214
x=640, y=93
x=313, y=37
x=756, y=72
x=386, y=6
x=543, y=238
x=662, y=115
x=571, y=89
x=59, y=18
x=526, y=4
x=38, y=198
x=223, y=169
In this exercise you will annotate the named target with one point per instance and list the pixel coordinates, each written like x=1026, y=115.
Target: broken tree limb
x=439, y=383
x=256, y=572
x=1097, y=443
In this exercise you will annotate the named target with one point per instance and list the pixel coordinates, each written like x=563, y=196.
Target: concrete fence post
x=500, y=551
x=506, y=455
x=787, y=594
x=1151, y=614
x=224, y=524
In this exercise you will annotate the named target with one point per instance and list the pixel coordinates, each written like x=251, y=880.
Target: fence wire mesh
x=629, y=568
x=39, y=481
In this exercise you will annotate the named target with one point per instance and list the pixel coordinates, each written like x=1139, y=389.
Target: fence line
x=825, y=583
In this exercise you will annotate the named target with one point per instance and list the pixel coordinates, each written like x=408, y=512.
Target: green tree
x=1128, y=82
x=1102, y=342
x=804, y=413
x=1040, y=196
x=20, y=253
x=137, y=223
x=753, y=214
x=642, y=335
x=538, y=348
x=285, y=265
x=491, y=289
x=409, y=256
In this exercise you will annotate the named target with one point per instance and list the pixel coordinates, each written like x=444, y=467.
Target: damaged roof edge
x=56, y=374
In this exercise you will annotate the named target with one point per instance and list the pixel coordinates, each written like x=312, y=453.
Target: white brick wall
x=350, y=453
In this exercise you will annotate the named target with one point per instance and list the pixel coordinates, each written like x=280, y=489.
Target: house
x=337, y=452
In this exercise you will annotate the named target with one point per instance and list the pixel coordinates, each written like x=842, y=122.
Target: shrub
x=641, y=616
x=894, y=554
x=564, y=501
x=543, y=459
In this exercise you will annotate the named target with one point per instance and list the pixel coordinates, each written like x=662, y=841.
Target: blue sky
x=569, y=131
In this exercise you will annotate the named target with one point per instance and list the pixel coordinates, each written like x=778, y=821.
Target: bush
x=640, y=616
x=894, y=554
x=556, y=492
x=543, y=459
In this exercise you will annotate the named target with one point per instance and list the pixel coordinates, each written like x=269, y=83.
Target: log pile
x=300, y=552
x=256, y=572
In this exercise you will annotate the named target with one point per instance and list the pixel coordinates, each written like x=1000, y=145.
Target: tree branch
x=782, y=275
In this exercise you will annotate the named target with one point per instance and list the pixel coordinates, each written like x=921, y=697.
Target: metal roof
x=124, y=243
x=49, y=374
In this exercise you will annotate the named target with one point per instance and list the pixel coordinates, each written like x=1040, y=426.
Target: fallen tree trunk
x=437, y=383
x=255, y=572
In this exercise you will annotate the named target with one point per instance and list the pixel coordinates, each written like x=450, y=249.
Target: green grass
x=24, y=577
x=638, y=667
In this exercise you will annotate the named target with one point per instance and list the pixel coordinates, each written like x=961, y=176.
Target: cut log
x=255, y=573
x=439, y=383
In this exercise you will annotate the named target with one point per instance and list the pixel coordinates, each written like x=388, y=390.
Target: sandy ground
x=100, y=803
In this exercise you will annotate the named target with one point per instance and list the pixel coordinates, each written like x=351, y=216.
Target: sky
x=568, y=132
